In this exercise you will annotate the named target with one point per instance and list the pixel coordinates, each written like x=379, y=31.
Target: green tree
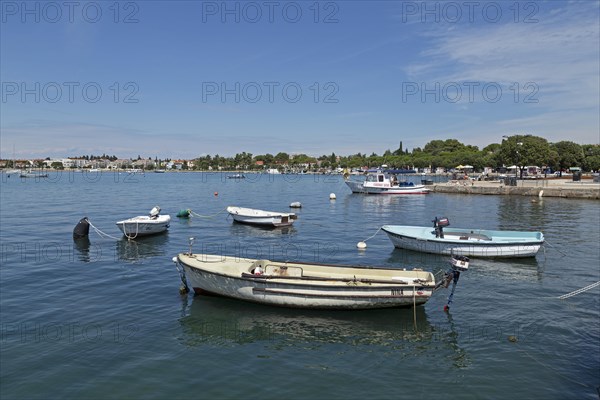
x=524, y=150
x=591, y=160
x=570, y=154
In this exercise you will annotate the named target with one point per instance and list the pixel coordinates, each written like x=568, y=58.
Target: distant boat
x=273, y=171
x=236, y=176
x=33, y=174
x=464, y=242
x=383, y=182
x=10, y=172
x=145, y=225
x=259, y=217
x=305, y=285
x=159, y=171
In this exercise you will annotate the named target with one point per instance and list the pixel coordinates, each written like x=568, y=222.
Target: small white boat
x=236, y=176
x=33, y=174
x=145, y=225
x=465, y=242
x=382, y=182
x=10, y=172
x=260, y=217
x=304, y=285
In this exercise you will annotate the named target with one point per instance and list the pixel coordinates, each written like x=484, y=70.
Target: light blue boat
x=465, y=242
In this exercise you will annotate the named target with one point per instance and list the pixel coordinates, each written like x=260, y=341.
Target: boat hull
x=480, y=243
x=259, y=217
x=144, y=226
x=232, y=277
x=359, y=187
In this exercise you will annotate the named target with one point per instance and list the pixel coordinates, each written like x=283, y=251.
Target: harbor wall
x=566, y=190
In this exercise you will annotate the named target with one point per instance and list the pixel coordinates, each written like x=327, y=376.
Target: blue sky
x=184, y=79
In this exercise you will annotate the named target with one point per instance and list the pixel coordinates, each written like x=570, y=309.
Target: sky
x=182, y=79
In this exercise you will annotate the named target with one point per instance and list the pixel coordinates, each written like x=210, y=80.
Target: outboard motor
x=458, y=264
x=154, y=212
x=439, y=224
x=82, y=229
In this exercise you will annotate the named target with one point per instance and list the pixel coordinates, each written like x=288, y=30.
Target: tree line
x=517, y=150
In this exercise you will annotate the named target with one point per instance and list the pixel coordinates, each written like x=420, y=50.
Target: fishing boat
x=260, y=217
x=384, y=182
x=145, y=225
x=304, y=285
x=466, y=242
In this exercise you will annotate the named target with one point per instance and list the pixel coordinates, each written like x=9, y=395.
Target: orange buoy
x=216, y=193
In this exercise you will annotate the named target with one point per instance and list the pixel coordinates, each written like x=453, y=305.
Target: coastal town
x=524, y=156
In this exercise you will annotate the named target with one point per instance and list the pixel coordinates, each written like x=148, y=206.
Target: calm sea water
x=104, y=318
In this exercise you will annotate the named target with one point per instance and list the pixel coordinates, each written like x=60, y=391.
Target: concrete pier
x=584, y=189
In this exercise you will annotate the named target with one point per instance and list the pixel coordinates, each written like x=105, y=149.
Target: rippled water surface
x=104, y=318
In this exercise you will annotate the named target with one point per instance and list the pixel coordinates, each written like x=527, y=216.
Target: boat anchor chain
x=458, y=264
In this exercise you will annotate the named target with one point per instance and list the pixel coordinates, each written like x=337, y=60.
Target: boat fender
x=361, y=245
x=82, y=229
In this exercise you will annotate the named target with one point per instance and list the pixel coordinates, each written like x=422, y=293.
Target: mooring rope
x=102, y=234
x=585, y=289
x=554, y=247
x=372, y=236
x=195, y=214
x=129, y=237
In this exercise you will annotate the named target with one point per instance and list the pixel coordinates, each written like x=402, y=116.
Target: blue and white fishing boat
x=384, y=182
x=465, y=242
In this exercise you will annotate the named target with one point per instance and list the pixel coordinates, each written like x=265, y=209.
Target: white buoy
x=541, y=194
x=332, y=196
x=361, y=245
x=296, y=204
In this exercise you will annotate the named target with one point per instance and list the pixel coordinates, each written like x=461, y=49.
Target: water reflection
x=82, y=245
x=244, y=230
x=145, y=247
x=528, y=268
x=227, y=322
x=523, y=269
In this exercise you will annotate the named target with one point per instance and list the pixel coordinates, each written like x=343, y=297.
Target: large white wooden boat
x=145, y=225
x=260, y=217
x=382, y=182
x=466, y=242
x=304, y=285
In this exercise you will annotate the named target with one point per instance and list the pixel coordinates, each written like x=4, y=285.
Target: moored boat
x=305, y=285
x=33, y=174
x=383, y=182
x=260, y=217
x=145, y=225
x=466, y=242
